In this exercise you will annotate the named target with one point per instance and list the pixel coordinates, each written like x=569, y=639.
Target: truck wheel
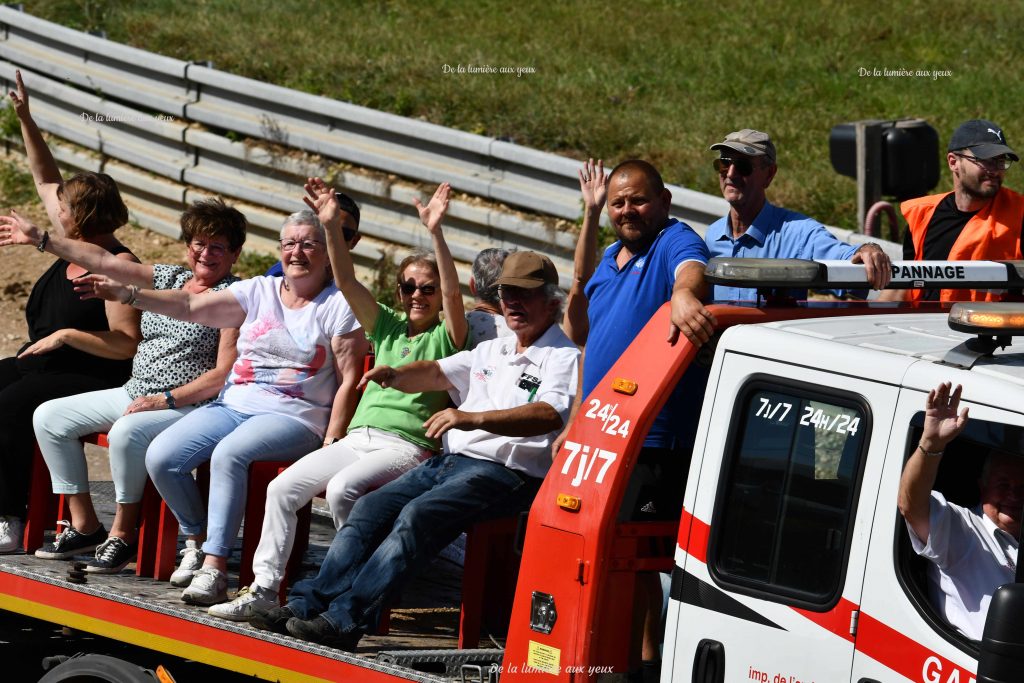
x=84, y=668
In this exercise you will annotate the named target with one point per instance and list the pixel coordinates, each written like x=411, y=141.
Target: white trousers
x=364, y=460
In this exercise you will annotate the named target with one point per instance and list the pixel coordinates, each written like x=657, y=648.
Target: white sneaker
x=191, y=560
x=248, y=601
x=11, y=529
x=209, y=586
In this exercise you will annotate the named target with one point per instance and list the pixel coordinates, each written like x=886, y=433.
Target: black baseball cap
x=984, y=138
x=348, y=205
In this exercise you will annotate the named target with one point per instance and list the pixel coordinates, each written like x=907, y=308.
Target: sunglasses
x=409, y=289
x=513, y=293
x=743, y=166
x=990, y=165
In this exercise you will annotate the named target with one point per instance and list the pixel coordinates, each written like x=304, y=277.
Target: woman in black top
x=74, y=346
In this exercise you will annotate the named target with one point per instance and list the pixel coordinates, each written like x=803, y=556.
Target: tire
x=83, y=668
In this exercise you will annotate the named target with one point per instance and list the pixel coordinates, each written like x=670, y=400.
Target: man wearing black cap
x=756, y=228
x=497, y=449
x=979, y=219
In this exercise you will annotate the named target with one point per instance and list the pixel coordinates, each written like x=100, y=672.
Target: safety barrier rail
x=170, y=131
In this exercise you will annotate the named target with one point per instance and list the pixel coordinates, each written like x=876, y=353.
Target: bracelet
x=170, y=400
x=42, y=241
x=133, y=293
x=930, y=454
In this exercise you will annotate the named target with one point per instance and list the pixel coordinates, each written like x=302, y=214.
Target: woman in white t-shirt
x=300, y=352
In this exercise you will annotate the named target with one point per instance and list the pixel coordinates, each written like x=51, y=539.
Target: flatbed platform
x=150, y=613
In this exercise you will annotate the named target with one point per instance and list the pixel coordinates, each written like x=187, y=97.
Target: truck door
x=770, y=590
x=902, y=636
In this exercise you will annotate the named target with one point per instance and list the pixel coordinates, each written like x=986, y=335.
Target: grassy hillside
x=659, y=80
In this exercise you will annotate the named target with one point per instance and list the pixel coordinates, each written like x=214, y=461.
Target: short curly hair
x=214, y=218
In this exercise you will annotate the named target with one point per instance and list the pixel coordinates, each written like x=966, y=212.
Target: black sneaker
x=112, y=556
x=319, y=630
x=273, y=619
x=71, y=542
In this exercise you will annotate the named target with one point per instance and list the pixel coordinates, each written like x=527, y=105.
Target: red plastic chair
x=158, y=529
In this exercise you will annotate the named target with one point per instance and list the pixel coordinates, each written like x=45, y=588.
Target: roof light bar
x=988, y=318
x=764, y=272
x=826, y=274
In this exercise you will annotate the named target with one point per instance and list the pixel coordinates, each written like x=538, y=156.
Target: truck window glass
x=789, y=495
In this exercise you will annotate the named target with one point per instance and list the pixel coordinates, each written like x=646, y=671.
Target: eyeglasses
x=306, y=245
x=513, y=293
x=213, y=249
x=743, y=165
x=409, y=289
x=990, y=165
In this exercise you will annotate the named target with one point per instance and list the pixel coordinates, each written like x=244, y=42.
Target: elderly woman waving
x=386, y=436
x=300, y=352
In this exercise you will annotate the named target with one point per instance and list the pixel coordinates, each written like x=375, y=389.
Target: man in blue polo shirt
x=756, y=228
x=655, y=259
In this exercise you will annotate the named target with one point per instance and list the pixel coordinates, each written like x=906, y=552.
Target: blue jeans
x=230, y=440
x=396, y=530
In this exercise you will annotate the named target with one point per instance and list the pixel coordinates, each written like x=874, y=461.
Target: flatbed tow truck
x=789, y=564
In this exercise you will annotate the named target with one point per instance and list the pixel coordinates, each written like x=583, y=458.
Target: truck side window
x=788, y=498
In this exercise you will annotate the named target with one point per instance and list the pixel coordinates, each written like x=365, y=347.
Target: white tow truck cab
x=792, y=563
x=804, y=572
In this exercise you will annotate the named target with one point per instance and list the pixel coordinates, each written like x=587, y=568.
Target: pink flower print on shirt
x=269, y=355
x=243, y=372
x=263, y=326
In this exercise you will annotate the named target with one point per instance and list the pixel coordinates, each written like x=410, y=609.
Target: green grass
x=658, y=80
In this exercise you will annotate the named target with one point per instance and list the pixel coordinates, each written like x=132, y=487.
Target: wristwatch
x=170, y=400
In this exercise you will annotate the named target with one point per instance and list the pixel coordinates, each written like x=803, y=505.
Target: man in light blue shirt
x=756, y=228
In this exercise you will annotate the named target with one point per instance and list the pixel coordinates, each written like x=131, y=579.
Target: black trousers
x=22, y=390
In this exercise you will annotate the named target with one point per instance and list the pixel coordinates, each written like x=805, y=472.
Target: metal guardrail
x=170, y=131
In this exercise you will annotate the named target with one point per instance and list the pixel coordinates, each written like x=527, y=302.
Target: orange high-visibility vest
x=991, y=234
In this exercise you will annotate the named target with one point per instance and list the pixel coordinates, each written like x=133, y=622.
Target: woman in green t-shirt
x=385, y=435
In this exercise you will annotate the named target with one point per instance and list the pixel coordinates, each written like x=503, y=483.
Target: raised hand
x=320, y=198
x=19, y=97
x=942, y=424
x=432, y=214
x=15, y=229
x=593, y=184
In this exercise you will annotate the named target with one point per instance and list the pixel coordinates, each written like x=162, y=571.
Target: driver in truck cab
x=971, y=552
